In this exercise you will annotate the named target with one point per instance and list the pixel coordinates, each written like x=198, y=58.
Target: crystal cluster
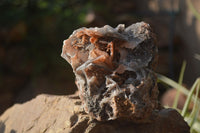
x=114, y=70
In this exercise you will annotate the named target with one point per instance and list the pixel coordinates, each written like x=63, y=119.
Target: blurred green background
x=32, y=33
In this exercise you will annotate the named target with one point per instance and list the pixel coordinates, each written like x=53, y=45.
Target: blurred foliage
x=193, y=10
x=192, y=117
x=40, y=26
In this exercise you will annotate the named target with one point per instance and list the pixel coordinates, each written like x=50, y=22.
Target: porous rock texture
x=114, y=71
x=64, y=114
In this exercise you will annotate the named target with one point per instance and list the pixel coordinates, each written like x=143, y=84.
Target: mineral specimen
x=114, y=70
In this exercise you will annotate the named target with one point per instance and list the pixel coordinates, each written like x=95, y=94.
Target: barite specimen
x=114, y=70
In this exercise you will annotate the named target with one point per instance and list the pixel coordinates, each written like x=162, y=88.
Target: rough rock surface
x=64, y=114
x=113, y=69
